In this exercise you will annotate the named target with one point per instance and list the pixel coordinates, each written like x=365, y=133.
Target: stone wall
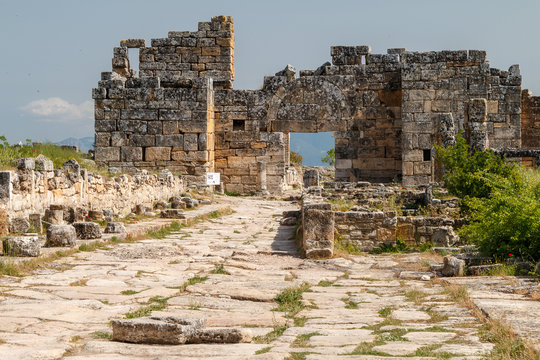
x=366, y=230
x=386, y=110
x=530, y=120
x=29, y=191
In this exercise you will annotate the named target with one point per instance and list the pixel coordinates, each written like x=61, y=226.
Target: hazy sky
x=54, y=51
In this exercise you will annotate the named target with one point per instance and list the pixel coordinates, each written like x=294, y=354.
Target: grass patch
x=503, y=270
x=264, y=350
x=342, y=246
x=155, y=303
x=94, y=245
x=302, y=339
x=415, y=296
x=220, y=269
x=325, y=283
x=290, y=300
x=349, y=303
x=192, y=281
x=385, y=312
x=102, y=335
x=300, y=321
x=174, y=227
x=508, y=345
x=272, y=335
x=342, y=204
x=129, y=292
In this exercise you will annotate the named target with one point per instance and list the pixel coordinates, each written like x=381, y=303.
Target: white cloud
x=56, y=109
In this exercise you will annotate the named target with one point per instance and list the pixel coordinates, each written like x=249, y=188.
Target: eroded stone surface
x=59, y=311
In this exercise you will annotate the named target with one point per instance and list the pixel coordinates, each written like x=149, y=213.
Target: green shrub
x=507, y=224
x=501, y=198
x=469, y=174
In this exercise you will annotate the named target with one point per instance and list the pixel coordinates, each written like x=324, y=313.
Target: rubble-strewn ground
x=355, y=307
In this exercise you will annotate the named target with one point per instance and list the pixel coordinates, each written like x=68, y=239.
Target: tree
x=330, y=157
x=295, y=158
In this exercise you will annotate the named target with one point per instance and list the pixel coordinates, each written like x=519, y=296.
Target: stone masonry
x=386, y=110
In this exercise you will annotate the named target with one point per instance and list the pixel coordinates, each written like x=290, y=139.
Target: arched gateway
x=386, y=110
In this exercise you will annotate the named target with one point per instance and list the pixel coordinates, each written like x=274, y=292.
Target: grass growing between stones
x=325, y=283
x=508, y=345
x=264, y=350
x=302, y=340
x=290, y=300
x=129, y=292
x=220, y=269
x=298, y=355
x=174, y=227
x=386, y=311
x=349, y=303
x=155, y=303
x=272, y=335
x=102, y=335
x=21, y=268
x=192, y=281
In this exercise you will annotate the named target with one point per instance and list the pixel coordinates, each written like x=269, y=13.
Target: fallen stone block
x=176, y=204
x=87, y=230
x=416, y=275
x=452, y=266
x=115, y=228
x=95, y=215
x=173, y=214
x=221, y=336
x=481, y=269
x=204, y=202
x=21, y=246
x=156, y=330
x=160, y=205
x=61, y=235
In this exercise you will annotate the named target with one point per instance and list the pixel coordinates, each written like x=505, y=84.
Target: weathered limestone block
x=173, y=214
x=35, y=222
x=21, y=246
x=156, y=330
x=318, y=230
x=178, y=204
x=5, y=186
x=95, y=215
x=87, y=230
x=157, y=153
x=19, y=225
x=115, y=228
x=43, y=163
x=54, y=217
x=61, y=235
x=444, y=236
x=452, y=266
x=311, y=177
x=221, y=336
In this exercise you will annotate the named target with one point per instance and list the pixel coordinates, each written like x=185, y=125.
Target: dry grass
x=508, y=345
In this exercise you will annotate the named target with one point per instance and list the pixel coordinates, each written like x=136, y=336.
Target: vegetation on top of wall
x=502, y=200
x=9, y=153
x=295, y=158
x=330, y=157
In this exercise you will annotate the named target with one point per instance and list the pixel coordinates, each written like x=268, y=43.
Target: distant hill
x=312, y=147
x=84, y=144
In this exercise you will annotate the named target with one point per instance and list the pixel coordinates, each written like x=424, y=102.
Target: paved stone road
x=65, y=313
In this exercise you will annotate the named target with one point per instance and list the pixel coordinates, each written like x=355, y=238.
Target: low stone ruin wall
x=28, y=191
x=366, y=229
x=415, y=231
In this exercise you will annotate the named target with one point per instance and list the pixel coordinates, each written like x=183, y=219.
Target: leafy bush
x=501, y=198
x=469, y=175
x=507, y=224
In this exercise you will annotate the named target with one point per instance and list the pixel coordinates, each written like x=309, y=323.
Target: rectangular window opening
x=239, y=125
x=427, y=154
x=133, y=56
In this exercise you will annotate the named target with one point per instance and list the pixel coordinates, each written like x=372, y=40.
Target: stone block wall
x=530, y=120
x=386, y=110
x=30, y=191
x=366, y=230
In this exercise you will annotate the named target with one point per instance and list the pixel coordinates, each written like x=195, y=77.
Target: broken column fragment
x=318, y=230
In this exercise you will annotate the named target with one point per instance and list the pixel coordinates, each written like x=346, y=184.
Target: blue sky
x=54, y=51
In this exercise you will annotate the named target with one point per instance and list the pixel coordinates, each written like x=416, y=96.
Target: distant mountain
x=84, y=144
x=312, y=147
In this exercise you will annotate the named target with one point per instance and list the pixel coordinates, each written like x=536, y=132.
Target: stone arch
x=308, y=104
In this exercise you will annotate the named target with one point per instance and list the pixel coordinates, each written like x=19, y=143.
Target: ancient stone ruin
x=180, y=111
